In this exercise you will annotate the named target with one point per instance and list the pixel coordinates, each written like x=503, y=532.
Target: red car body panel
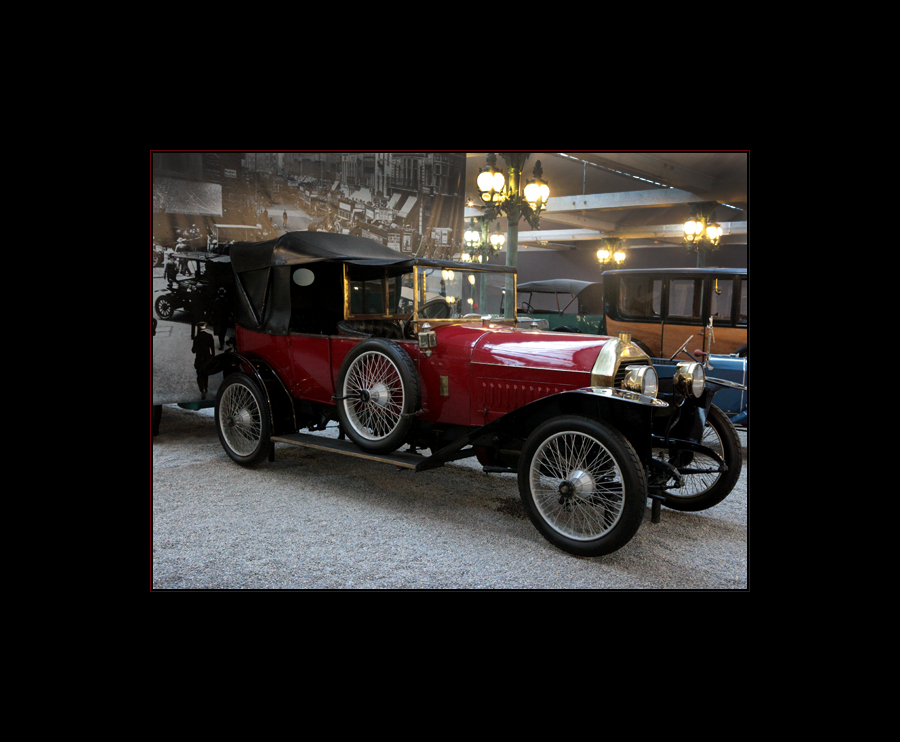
x=477, y=373
x=513, y=367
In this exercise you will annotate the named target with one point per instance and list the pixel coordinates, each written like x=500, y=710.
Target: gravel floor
x=315, y=520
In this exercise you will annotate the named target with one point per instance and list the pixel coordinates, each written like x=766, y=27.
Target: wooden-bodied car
x=422, y=362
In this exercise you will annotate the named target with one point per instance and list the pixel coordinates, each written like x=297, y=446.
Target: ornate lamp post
x=505, y=194
x=700, y=233
x=611, y=253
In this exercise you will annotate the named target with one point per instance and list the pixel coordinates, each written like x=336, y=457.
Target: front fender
x=630, y=413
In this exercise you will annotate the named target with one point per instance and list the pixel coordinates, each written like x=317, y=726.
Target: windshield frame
x=414, y=287
x=458, y=274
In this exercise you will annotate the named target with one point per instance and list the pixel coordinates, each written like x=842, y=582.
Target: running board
x=403, y=459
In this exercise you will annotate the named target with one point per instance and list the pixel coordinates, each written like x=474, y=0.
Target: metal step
x=403, y=459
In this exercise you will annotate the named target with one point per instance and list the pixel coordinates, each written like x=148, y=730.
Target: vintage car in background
x=417, y=354
x=663, y=307
x=201, y=293
x=568, y=305
x=696, y=313
x=704, y=308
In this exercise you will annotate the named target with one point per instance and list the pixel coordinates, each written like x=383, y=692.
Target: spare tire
x=378, y=395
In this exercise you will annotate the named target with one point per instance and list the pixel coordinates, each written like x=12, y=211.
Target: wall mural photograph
x=202, y=202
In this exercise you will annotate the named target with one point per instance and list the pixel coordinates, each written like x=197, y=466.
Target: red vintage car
x=429, y=356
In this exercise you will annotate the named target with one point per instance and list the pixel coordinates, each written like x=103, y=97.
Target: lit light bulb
x=485, y=180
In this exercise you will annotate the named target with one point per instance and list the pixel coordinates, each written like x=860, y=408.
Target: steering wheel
x=435, y=309
x=526, y=307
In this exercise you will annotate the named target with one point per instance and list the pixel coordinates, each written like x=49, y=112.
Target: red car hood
x=517, y=347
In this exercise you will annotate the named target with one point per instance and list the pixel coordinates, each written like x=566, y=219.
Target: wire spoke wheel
x=374, y=396
x=242, y=420
x=704, y=483
x=582, y=485
x=577, y=486
x=378, y=394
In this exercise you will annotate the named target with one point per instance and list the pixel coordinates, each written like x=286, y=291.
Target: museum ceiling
x=643, y=198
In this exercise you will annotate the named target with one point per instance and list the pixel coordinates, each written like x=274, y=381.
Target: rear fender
x=280, y=402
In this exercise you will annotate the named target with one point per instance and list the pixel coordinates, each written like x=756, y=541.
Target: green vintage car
x=568, y=305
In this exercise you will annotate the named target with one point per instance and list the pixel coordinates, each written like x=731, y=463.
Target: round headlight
x=641, y=379
x=690, y=379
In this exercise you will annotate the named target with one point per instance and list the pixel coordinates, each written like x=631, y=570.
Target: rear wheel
x=582, y=485
x=242, y=420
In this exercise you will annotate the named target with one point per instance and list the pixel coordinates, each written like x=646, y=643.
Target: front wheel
x=582, y=485
x=242, y=420
x=165, y=307
x=703, y=484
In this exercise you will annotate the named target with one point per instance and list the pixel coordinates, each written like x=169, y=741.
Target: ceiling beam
x=624, y=200
x=656, y=168
x=576, y=220
x=661, y=231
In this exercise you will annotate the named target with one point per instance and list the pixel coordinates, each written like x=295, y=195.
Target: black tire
x=242, y=420
x=702, y=488
x=378, y=395
x=164, y=306
x=582, y=485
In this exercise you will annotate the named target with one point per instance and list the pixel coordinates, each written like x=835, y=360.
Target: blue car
x=730, y=373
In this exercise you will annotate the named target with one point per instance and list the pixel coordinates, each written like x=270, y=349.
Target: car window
x=686, y=298
x=722, y=300
x=380, y=295
x=367, y=297
x=743, y=317
x=640, y=296
x=452, y=293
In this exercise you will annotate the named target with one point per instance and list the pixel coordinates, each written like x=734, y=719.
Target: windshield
x=443, y=293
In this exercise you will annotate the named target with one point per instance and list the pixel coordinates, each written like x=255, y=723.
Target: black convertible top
x=556, y=286
x=297, y=248
x=262, y=271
